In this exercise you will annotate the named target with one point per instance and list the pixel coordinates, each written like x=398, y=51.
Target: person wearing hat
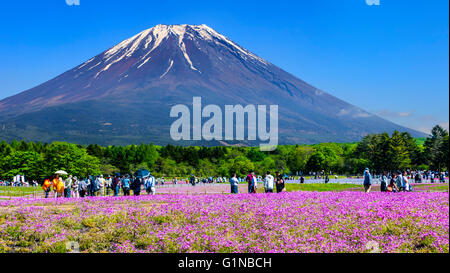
x=279, y=182
x=149, y=184
x=101, y=185
x=108, y=185
x=74, y=191
x=367, y=181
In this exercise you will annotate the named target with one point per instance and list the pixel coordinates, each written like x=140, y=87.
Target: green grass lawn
x=433, y=187
x=20, y=191
x=315, y=187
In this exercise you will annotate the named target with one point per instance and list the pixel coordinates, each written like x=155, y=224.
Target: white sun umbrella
x=61, y=172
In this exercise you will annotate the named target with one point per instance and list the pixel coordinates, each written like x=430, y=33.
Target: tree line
x=380, y=152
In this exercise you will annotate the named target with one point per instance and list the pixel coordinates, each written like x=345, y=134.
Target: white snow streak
x=148, y=59
x=95, y=66
x=186, y=56
x=168, y=69
x=83, y=65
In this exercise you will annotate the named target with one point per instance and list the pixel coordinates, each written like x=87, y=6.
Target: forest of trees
x=379, y=152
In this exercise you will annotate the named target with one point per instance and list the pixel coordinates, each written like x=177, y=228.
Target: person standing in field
x=442, y=177
x=234, y=184
x=91, y=186
x=252, y=182
x=367, y=180
x=101, y=186
x=279, y=182
x=399, y=181
x=406, y=185
x=268, y=183
x=136, y=186
x=68, y=186
x=58, y=186
x=108, y=184
x=150, y=185
x=417, y=178
x=393, y=183
x=54, y=184
x=94, y=186
x=116, y=185
x=383, y=182
x=126, y=186
x=192, y=180
x=83, y=187
x=47, y=186
x=74, y=191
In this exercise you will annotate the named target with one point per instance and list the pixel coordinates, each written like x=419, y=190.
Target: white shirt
x=150, y=183
x=101, y=181
x=108, y=182
x=269, y=182
x=68, y=183
x=234, y=181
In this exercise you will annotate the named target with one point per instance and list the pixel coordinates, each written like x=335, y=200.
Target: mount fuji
x=124, y=95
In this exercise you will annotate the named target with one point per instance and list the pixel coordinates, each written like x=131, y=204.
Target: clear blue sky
x=391, y=59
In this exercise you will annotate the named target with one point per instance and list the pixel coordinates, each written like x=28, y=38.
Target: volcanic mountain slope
x=124, y=95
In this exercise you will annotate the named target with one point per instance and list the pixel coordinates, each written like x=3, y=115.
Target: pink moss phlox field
x=287, y=222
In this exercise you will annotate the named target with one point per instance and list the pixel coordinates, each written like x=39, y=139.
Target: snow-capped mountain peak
x=143, y=44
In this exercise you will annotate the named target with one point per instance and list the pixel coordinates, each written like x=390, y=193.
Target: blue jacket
x=83, y=185
x=126, y=183
x=399, y=181
x=367, y=179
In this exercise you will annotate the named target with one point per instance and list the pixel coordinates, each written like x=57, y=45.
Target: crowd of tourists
x=115, y=185
x=6, y=183
x=73, y=187
x=402, y=181
x=270, y=183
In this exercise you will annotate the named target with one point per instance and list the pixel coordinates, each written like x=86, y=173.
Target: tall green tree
x=70, y=158
x=298, y=158
x=398, y=153
x=436, y=148
x=27, y=163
